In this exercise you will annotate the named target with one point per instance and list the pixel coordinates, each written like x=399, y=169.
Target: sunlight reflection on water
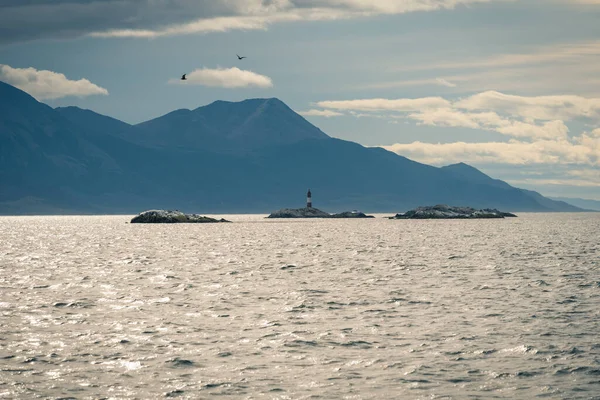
x=95, y=307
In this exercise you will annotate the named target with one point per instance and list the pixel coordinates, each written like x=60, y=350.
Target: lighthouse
x=308, y=199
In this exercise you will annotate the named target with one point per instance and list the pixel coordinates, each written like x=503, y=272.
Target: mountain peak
x=470, y=173
x=255, y=104
x=256, y=100
x=462, y=168
x=231, y=126
x=460, y=165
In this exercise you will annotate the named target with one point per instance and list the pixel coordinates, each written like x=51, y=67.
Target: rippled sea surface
x=94, y=307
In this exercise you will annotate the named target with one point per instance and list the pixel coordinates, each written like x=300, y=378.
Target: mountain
x=229, y=127
x=40, y=151
x=586, y=204
x=472, y=174
x=91, y=123
x=252, y=156
x=67, y=161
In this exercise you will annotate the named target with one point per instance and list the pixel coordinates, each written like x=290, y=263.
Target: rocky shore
x=449, y=212
x=171, y=217
x=315, y=213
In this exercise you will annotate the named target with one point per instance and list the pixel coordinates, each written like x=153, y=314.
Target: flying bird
x=240, y=58
x=183, y=78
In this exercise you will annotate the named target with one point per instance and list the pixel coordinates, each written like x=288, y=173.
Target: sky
x=511, y=87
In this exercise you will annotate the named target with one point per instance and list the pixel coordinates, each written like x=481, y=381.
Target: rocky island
x=310, y=212
x=171, y=217
x=448, y=212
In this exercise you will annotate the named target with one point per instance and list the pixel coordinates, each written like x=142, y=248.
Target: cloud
x=541, y=117
x=413, y=82
x=560, y=53
x=536, y=108
x=444, y=82
x=153, y=18
x=219, y=24
x=320, y=113
x=587, y=174
x=227, y=78
x=44, y=85
x=562, y=151
x=386, y=104
x=594, y=2
x=260, y=18
x=490, y=121
x=534, y=69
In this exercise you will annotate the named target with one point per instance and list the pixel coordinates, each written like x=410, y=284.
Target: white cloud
x=43, y=84
x=447, y=117
x=369, y=115
x=443, y=82
x=414, y=82
x=490, y=121
x=219, y=24
x=536, y=108
x=227, y=78
x=386, y=104
x=560, y=151
x=541, y=117
x=320, y=113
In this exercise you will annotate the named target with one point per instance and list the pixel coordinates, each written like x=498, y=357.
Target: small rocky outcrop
x=171, y=217
x=351, y=214
x=299, y=213
x=448, y=212
x=314, y=213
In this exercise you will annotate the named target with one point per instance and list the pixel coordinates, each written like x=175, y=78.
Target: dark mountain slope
x=346, y=175
x=91, y=123
x=41, y=151
x=472, y=174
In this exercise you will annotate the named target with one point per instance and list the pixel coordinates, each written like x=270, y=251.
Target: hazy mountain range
x=593, y=205
x=251, y=156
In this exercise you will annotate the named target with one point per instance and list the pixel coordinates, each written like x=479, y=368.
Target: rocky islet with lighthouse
x=310, y=212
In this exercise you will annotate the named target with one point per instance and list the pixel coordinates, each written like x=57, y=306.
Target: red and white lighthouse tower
x=308, y=199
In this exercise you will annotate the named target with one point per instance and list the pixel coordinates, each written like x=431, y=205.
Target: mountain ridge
x=251, y=156
x=475, y=175
x=586, y=204
x=229, y=126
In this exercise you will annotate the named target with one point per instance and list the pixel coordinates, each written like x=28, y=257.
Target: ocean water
x=93, y=307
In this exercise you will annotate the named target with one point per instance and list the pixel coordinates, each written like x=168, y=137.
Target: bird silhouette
x=240, y=58
x=183, y=78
